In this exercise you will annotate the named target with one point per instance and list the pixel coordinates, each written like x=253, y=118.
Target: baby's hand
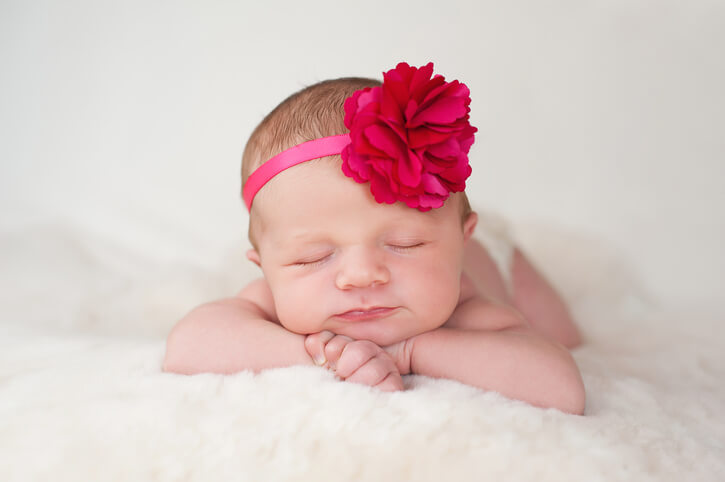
x=357, y=361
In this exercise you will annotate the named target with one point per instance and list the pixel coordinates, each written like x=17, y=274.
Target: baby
x=360, y=224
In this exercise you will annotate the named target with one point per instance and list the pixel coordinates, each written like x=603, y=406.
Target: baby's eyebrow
x=296, y=240
x=308, y=237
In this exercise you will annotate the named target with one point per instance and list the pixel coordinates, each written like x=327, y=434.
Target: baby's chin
x=381, y=334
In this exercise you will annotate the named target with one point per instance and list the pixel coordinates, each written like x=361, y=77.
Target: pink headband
x=409, y=138
x=314, y=149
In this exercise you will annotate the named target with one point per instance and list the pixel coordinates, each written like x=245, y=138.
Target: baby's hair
x=311, y=113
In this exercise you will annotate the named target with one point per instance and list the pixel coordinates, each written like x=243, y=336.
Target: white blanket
x=82, y=396
x=128, y=119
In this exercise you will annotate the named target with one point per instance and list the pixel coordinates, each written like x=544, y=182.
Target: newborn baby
x=362, y=229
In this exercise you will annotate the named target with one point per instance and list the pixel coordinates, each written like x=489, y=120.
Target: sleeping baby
x=372, y=257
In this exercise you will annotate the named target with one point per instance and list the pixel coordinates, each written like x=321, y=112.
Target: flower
x=410, y=137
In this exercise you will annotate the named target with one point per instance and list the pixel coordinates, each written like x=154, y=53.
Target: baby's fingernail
x=319, y=360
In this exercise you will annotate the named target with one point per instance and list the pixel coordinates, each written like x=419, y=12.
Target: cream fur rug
x=82, y=396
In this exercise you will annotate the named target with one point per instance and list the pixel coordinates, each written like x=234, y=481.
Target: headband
x=409, y=138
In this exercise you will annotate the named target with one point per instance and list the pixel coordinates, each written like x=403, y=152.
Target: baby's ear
x=469, y=226
x=253, y=256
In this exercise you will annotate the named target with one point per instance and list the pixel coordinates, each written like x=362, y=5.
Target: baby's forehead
x=287, y=187
x=340, y=224
x=316, y=196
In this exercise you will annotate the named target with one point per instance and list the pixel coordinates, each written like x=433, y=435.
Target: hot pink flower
x=410, y=137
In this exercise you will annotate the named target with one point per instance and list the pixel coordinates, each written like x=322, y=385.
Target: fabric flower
x=410, y=137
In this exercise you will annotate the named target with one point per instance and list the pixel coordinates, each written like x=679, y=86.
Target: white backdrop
x=603, y=117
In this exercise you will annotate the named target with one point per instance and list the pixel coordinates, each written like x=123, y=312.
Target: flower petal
x=433, y=185
x=425, y=136
x=450, y=148
x=443, y=111
x=381, y=190
x=410, y=137
x=409, y=169
x=385, y=140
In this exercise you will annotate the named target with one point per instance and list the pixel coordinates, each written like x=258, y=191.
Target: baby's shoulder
x=477, y=311
x=487, y=274
x=469, y=289
x=259, y=293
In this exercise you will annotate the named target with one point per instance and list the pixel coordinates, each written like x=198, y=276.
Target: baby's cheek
x=442, y=298
x=296, y=312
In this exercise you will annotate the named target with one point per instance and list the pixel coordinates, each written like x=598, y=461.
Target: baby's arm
x=539, y=302
x=508, y=357
x=231, y=335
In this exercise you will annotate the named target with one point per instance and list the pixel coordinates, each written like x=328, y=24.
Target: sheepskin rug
x=82, y=396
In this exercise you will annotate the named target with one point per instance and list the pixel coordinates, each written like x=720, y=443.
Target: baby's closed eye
x=405, y=246
x=312, y=259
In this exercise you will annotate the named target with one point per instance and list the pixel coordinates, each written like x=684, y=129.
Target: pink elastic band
x=314, y=149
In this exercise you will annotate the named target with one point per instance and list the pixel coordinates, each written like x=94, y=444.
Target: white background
x=128, y=119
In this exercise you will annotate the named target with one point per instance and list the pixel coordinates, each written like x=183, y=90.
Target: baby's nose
x=362, y=268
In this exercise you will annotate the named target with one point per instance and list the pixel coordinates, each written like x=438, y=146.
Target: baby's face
x=337, y=260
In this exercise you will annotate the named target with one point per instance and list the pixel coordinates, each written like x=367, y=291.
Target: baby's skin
x=375, y=291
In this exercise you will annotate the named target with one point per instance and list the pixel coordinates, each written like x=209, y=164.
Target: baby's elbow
x=169, y=364
x=572, y=397
x=179, y=347
x=571, y=338
x=172, y=357
x=575, y=399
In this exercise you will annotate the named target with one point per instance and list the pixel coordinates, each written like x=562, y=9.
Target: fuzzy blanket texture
x=82, y=396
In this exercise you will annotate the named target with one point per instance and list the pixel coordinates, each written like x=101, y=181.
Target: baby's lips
x=367, y=313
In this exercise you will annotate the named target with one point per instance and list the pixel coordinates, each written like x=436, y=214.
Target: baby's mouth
x=366, y=314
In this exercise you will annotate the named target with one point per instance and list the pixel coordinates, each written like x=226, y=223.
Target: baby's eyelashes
x=312, y=260
x=403, y=247
x=320, y=258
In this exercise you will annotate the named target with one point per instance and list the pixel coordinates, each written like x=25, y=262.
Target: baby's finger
x=392, y=383
x=355, y=355
x=334, y=348
x=373, y=372
x=315, y=346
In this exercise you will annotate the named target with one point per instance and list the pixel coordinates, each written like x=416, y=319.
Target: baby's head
x=336, y=257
